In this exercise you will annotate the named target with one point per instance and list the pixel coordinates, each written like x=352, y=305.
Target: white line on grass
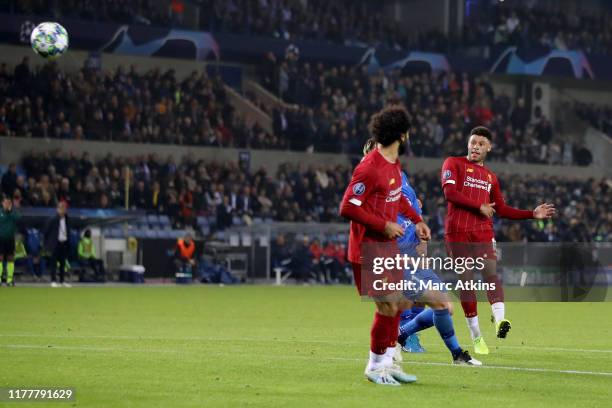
x=295, y=356
x=575, y=350
x=256, y=340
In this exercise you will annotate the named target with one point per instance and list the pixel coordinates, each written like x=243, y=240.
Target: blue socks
x=422, y=321
x=444, y=323
x=425, y=319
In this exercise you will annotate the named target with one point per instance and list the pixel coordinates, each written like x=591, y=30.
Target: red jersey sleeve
x=359, y=189
x=502, y=209
x=448, y=177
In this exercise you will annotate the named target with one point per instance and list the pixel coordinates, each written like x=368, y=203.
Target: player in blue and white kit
x=408, y=243
x=439, y=314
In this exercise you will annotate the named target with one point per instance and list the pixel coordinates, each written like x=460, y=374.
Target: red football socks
x=380, y=332
x=395, y=330
x=496, y=295
x=468, y=302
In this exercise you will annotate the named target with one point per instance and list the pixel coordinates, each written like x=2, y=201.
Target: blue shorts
x=420, y=277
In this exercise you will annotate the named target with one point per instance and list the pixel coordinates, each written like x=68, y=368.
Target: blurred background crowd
x=231, y=195
x=527, y=23
x=328, y=110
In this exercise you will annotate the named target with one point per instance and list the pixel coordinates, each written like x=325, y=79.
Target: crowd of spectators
x=329, y=109
x=598, y=116
x=541, y=25
x=526, y=24
x=230, y=193
x=311, y=259
x=145, y=12
x=124, y=106
x=341, y=22
x=347, y=22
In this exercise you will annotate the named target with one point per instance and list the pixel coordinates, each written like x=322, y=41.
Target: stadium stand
x=123, y=105
x=325, y=114
x=212, y=196
x=522, y=23
x=334, y=105
x=598, y=116
x=549, y=25
x=334, y=22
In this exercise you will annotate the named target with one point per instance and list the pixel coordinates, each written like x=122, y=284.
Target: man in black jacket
x=9, y=180
x=56, y=234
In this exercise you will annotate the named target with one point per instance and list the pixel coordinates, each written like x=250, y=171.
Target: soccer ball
x=49, y=40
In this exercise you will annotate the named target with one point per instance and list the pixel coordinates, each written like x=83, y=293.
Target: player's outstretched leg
x=409, y=328
x=411, y=313
x=442, y=320
x=444, y=324
x=412, y=343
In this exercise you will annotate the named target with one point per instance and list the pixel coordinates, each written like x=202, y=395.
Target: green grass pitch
x=209, y=346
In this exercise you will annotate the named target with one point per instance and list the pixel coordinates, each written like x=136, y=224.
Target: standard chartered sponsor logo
x=477, y=183
x=394, y=195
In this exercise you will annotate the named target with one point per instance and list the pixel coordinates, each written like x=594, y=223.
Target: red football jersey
x=373, y=197
x=469, y=186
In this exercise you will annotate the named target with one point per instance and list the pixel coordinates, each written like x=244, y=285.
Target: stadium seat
x=153, y=219
x=142, y=223
x=164, y=220
x=234, y=239
x=139, y=233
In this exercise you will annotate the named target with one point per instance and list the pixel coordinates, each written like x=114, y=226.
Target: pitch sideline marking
x=246, y=339
x=287, y=357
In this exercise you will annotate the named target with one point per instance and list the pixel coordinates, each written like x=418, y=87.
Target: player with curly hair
x=372, y=202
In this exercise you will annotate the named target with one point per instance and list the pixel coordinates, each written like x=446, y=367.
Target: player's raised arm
x=505, y=211
x=357, y=192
